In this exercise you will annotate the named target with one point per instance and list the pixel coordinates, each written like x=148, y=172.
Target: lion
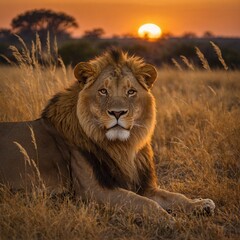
x=94, y=139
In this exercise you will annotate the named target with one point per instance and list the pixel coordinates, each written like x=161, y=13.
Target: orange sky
x=222, y=17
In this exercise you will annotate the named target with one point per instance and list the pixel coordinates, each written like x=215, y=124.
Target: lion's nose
x=117, y=114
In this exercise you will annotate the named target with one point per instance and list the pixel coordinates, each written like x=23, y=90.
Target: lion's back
x=19, y=146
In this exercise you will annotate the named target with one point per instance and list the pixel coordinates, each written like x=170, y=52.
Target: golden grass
x=197, y=152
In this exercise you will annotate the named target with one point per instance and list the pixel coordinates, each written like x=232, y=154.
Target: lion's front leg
x=171, y=201
x=87, y=187
x=129, y=201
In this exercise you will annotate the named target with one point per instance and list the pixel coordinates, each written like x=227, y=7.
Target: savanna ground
x=197, y=153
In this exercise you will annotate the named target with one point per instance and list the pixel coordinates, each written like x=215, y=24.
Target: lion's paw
x=203, y=207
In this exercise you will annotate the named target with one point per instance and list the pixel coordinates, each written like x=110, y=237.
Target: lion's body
x=96, y=137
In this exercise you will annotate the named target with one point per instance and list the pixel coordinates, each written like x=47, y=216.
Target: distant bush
x=74, y=52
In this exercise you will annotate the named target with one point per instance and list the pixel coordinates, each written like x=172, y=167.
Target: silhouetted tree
x=127, y=35
x=208, y=34
x=189, y=35
x=96, y=33
x=167, y=35
x=43, y=21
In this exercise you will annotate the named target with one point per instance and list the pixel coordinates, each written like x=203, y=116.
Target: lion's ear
x=149, y=73
x=83, y=71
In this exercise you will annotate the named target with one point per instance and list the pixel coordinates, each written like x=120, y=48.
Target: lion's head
x=115, y=103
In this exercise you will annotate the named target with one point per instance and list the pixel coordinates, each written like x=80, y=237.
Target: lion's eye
x=131, y=92
x=103, y=91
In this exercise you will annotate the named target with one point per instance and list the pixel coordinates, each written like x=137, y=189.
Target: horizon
x=122, y=18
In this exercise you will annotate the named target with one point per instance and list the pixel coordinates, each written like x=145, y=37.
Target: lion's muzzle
x=118, y=128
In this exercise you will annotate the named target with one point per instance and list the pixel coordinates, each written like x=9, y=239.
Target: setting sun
x=149, y=31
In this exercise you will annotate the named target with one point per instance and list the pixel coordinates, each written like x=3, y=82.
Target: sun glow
x=149, y=31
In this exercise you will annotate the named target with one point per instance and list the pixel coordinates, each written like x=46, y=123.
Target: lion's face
x=116, y=102
x=115, y=106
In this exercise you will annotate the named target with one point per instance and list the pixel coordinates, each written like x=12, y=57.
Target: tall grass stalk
x=7, y=59
x=202, y=59
x=187, y=62
x=34, y=142
x=176, y=64
x=219, y=54
x=32, y=164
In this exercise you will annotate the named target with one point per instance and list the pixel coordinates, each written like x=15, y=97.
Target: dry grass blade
x=219, y=54
x=38, y=43
x=17, y=55
x=202, y=59
x=34, y=140
x=55, y=47
x=212, y=90
x=33, y=54
x=187, y=62
x=7, y=59
x=24, y=153
x=32, y=164
x=63, y=67
x=48, y=44
x=176, y=64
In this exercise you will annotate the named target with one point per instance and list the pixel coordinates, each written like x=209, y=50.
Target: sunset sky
x=222, y=17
